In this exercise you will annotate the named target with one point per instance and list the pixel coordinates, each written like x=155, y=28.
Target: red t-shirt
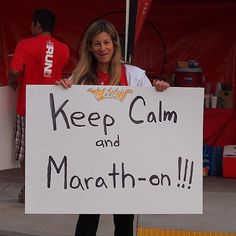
x=103, y=78
x=41, y=59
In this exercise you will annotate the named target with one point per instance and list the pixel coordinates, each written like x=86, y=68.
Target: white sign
x=93, y=149
x=7, y=130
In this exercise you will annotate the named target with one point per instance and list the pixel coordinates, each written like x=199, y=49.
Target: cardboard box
x=182, y=64
x=227, y=99
x=229, y=161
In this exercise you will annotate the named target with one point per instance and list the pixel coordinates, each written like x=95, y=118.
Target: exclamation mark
x=179, y=170
x=191, y=175
x=185, y=172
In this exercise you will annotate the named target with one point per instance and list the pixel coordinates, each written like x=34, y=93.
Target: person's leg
x=20, y=150
x=87, y=225
x=21, y=195
x=123, y=225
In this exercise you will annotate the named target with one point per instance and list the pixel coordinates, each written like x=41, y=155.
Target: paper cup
x=207, y=100
x=213, y=102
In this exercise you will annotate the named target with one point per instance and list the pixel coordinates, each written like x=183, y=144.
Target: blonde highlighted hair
x=86, y=70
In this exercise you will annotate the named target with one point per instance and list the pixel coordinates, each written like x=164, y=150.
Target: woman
x=100, y=64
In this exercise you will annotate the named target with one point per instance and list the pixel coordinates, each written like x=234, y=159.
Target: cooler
x=188, y=77
x=229, y=161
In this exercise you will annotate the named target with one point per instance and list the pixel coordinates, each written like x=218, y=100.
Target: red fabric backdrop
x=73, y=17
x=219, y=127
x=179, y=30
x=174, y=30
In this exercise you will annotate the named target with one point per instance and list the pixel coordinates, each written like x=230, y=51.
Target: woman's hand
x=160, y=85
x=65, y=83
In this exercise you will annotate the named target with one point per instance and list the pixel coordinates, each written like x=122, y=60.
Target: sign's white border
x=93, y=149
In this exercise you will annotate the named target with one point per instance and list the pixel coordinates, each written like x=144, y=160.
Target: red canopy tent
x=173, y=30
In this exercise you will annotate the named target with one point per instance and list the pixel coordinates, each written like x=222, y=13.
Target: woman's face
x=102, y=48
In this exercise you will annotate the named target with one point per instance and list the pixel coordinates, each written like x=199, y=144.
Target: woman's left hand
x=160, y=85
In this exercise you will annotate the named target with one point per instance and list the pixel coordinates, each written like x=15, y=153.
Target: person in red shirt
x=37, y=60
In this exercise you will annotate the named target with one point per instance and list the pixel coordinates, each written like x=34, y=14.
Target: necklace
x=103, y=78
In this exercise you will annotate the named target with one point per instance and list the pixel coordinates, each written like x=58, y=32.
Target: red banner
x=142, y=10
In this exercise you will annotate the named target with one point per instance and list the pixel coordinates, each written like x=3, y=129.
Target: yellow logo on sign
x=110, y=93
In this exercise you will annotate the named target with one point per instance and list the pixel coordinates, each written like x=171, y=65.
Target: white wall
x=7, y=119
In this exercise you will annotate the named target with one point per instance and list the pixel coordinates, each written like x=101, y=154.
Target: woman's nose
x=102, y=46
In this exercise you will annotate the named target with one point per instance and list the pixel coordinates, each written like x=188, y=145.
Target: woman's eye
x=96, y=45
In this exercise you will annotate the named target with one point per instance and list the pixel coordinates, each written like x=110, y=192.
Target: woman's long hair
x=86, y=70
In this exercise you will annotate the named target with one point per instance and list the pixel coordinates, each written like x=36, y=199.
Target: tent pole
x=126, y=29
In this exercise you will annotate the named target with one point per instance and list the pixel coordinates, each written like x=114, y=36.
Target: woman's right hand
x=65, y=83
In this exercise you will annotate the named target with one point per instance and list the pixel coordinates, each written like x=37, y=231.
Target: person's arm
x=17, y=65
x=13, y=78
